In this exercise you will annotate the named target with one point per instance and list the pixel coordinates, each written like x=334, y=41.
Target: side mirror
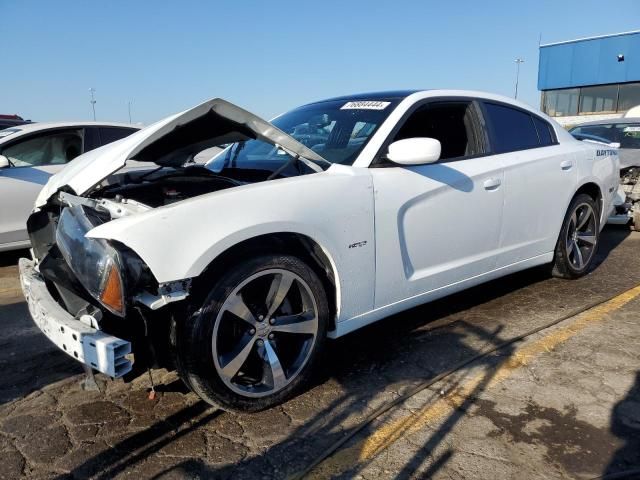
x=4, y=162
x=415, y=151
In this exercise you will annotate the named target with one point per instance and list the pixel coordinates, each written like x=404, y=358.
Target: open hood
x=169, y=141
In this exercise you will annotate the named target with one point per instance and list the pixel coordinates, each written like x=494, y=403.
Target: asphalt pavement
x=564, y=403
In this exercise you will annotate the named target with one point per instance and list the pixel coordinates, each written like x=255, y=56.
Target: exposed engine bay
x=158, y=188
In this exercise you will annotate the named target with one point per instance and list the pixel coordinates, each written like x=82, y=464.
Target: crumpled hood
x=168, y=141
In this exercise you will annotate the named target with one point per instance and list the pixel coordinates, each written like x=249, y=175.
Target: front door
x=437, y=224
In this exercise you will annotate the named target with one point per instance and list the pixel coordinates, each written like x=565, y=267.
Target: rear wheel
x=253, y=342
x=579, y=239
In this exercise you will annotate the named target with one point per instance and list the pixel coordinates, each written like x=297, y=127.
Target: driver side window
x=455, y=124
x=52, y=148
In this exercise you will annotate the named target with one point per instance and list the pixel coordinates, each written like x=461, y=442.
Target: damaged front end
x=95, y=299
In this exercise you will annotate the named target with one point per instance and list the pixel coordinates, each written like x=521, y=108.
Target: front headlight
x=96, y=263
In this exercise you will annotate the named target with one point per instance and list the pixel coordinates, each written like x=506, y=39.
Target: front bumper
x=86, y=344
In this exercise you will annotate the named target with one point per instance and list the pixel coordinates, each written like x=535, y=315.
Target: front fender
x=334, y=208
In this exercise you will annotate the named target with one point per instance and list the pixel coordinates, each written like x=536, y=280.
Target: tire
x=578, y=240
x=253, y=341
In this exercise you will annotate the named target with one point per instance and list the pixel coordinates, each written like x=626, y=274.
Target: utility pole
x=129, y=108
x=518, y=62
x=92, y=91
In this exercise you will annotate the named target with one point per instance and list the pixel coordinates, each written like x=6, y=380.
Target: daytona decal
x=606, y=153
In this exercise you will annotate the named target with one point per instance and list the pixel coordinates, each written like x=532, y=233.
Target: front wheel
x=253, y=342
x=578, y=240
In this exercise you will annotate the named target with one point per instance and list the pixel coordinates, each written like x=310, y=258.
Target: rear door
x=540, y=177
x=34, y=158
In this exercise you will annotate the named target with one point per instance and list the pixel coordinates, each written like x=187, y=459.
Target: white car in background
x=29, y=155
x=333, y=216
x=622, y=134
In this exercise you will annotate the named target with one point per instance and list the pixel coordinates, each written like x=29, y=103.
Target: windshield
x=335, y=130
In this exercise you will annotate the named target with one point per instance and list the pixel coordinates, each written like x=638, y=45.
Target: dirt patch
x=575, y=445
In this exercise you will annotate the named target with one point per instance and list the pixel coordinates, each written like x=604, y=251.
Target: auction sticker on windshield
x=365, y=105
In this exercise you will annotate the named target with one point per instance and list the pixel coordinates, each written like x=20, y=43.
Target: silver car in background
x=30, y=154
x=624, y=135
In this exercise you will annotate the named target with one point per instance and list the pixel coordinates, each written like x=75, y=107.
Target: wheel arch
x=594, y=191
x=291, y=243
x=590, y=188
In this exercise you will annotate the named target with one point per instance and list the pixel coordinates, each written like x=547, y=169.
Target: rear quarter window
x=545, y=132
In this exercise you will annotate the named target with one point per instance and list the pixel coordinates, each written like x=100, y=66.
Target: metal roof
x=590, y=38
x=384, y=95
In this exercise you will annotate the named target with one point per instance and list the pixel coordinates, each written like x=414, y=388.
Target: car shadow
x=399, y=351
x=443, y=173
x=290, y=456
x=610, y=238
x=380, y=360
x=28, y=360
x=625, y=424
x=8, y=259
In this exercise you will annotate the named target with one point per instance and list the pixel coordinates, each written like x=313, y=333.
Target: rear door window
x=111, y=134
x=513, y=129
x=91, y=138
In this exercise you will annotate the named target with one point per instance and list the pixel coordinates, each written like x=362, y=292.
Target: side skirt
x=346, y=326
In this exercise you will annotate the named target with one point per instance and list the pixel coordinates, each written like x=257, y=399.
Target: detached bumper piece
x=88, y=345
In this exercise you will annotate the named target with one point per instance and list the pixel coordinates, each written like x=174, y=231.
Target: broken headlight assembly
x=95, y=263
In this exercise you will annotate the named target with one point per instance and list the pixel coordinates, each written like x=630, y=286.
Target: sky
x=271, y=56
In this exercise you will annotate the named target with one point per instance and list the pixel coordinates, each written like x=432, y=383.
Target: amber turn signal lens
x=112, y=293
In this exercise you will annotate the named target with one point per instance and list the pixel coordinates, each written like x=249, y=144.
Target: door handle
x=566, y=165
x=492, y=184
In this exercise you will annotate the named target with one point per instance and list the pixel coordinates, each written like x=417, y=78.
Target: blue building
x=590, y=78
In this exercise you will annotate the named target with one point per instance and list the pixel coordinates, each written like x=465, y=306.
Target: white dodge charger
x=333, y=216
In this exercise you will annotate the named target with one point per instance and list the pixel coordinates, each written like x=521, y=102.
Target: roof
x=597, y=37
x=384, y=95
x=34, y=127
x=40, y=126
x=611, y=121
